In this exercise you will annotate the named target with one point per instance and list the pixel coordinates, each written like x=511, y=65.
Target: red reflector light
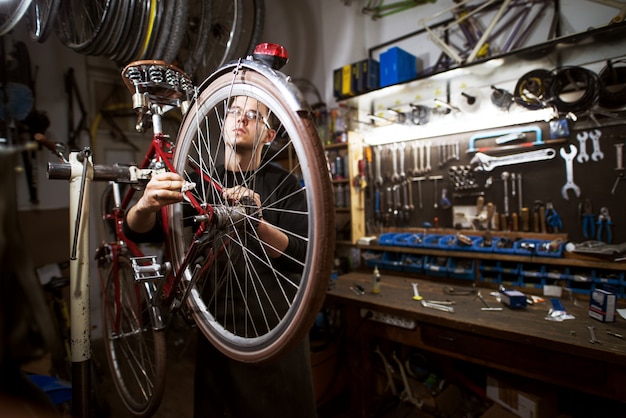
x=273, y=50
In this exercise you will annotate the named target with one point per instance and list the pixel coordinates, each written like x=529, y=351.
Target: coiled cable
x=531, y=89
x=579, y=84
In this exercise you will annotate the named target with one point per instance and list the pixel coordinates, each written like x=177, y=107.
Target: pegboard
x=598, y=177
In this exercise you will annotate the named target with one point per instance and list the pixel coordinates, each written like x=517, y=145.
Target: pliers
x=604, y=219
x=588, y=223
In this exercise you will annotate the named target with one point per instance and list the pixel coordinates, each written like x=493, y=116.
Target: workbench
x=517, y=341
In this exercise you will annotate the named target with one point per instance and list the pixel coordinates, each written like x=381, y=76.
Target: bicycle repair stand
x=79, y=170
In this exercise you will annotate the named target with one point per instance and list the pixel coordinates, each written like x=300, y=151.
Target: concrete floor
x=178, y=399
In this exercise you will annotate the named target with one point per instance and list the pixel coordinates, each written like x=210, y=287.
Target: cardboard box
x=602, y=305
x=523, y=402
x=513, y=298
x=397, y=66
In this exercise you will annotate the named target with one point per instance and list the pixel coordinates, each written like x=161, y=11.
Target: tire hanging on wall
x=613, y=84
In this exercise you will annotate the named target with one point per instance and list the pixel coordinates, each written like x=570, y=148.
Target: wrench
x=401, y=151
x=378, y=157
x=569, y=172
x=394, y=155
x=582, y=141
x=415, y=146
x=486, y=162
x=597, y=154
x=592, y=333
x=427, y=151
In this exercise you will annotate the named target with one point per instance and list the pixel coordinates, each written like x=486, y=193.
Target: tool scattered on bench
x=487, y=306
x=592, y=332
x=416, y=293
x=431, y=305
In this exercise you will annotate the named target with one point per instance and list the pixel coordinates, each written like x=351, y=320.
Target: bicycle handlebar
x=63, y=171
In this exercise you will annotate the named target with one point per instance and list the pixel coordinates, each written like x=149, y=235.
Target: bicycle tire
x=255, y=80
x=177, y=30
x=163, y=31
x=137, y=21
x=117, y=27
x=196, y=37
x=135, y=347
x=11, y=13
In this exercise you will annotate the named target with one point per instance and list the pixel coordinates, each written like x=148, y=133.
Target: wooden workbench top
x=526, y=326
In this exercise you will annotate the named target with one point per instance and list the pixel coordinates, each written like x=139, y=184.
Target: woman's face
x=246, y=124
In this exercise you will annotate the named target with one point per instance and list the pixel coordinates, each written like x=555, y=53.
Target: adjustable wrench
x=569, y=172
x=486, y=162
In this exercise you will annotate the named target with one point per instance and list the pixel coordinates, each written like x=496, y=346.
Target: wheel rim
x=135, y=351
x=256, y=341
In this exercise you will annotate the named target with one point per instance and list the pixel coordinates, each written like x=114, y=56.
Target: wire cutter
x=604, y=221
x=588, y=223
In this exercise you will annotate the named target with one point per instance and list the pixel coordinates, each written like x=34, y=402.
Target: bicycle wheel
x=11, y=12
x=134, y=346
x=251, y=28
x=224, y=34
x=248, y=306
x=40, y=18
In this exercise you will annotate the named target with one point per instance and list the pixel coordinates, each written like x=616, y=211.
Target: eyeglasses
x=248, y=114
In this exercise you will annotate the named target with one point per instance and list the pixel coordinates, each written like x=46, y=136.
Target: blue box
x=397, y=66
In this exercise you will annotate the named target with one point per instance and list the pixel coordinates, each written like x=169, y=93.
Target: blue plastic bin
x=397, y=66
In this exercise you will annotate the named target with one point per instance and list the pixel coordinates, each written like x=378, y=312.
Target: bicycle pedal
x=147, y=268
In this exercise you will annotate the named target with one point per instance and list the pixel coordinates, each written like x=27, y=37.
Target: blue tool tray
x=461, y=268
x=436, y=266
x=479, y=247
x=499, y=248
x=539, y=248
x=432, y=241
x=413, y=263
x=408, y=239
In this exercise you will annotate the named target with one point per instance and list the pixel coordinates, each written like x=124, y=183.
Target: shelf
x=565, y=261
x=572, y=42
x=590, y=50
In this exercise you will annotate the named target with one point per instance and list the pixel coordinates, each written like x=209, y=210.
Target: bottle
x=376, y=281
